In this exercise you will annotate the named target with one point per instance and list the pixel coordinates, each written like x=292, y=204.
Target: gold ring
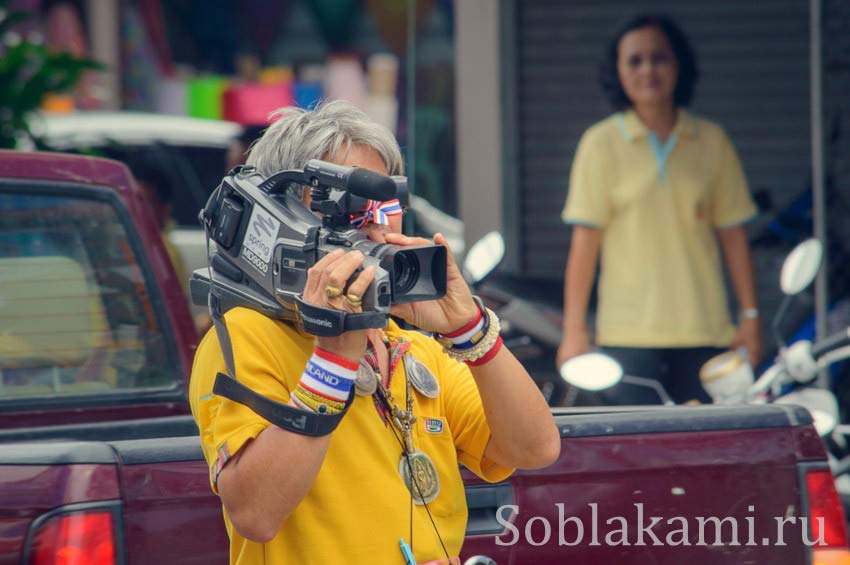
x=333, y=292
x=353, y=299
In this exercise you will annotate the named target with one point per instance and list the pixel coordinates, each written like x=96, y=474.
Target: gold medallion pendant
x=427, y=481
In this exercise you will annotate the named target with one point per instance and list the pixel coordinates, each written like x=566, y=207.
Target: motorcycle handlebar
x=842, y=467
x=831, y=343
x=766, y=380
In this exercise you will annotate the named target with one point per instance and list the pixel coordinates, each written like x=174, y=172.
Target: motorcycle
x=789, y=380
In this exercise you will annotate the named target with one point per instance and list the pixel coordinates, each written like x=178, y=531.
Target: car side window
x=75, y=314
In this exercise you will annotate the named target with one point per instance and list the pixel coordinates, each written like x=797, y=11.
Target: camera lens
x=405, y=271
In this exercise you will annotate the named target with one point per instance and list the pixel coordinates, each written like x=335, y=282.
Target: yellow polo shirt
x=358, y=507
x=659, y=204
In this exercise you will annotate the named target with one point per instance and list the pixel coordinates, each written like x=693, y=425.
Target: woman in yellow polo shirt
x=653, y=189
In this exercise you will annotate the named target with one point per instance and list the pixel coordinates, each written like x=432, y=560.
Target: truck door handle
x=484, y=502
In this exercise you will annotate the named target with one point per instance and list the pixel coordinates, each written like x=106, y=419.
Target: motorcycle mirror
x=483, y=257
x=479, y=560
x=801, y=266
x=820, y=403
x=592, y=371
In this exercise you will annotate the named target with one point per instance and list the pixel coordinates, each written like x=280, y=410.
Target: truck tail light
x=825, y=509
x=80, y=538
x=826, y=519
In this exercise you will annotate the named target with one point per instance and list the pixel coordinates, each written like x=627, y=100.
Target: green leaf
x=28, y=72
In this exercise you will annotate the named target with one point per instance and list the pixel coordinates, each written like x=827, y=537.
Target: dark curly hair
x=682, y=50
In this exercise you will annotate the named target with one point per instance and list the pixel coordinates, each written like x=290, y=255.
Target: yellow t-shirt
x=659, y=204
x=358, y=507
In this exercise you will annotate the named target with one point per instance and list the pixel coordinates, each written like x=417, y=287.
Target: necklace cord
x=384, y=400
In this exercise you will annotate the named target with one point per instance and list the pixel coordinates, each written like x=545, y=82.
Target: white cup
x=727, y=377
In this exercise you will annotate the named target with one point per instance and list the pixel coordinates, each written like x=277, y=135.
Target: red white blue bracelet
x=477, y=342
x=326, y=382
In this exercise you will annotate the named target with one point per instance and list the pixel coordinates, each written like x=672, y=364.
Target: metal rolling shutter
x=753, y=58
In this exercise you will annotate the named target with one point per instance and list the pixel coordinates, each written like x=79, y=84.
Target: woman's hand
x=453, y=311
x=333, y=272
x=749, y=336
x=575, y=343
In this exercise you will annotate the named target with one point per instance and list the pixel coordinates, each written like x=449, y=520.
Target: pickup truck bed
x=737, y=463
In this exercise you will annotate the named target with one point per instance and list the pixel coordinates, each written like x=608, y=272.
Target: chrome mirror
x=483, y=257
x=592, y=371
x=801, y=266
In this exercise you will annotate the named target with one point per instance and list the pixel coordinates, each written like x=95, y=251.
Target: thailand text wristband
x=326, y=382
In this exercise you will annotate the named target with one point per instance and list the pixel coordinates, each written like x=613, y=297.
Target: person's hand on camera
x=455, y=310
x=325, y=287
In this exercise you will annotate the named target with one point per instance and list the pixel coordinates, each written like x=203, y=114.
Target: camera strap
x=326, y=322
x=282, y=415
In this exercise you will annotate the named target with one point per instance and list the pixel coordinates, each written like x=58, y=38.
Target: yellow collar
x=633, y=128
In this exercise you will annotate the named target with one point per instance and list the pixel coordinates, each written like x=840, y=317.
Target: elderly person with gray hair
x=384, y=486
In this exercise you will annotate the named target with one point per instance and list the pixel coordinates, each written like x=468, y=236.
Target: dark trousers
x=676, y=368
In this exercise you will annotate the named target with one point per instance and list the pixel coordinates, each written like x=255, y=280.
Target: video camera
x=267, y=238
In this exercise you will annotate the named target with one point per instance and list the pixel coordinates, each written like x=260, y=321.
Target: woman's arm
x=736, y=251
x=523, y=433
x=578, y=280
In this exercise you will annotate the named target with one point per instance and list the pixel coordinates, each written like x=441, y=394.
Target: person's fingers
x=356, y=290
x=404, y=240
x=439, y=239
x=328, y=268
x=314, y=273
x=341, y=271
x=320, y=277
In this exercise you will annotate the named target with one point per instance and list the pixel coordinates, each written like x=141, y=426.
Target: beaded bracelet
x=455, y=339
x=485, y=348
x=317, y=402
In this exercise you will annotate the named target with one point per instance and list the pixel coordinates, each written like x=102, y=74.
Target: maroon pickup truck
x=100, y=461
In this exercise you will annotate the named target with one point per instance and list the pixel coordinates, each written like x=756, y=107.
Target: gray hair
x=298, y=135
